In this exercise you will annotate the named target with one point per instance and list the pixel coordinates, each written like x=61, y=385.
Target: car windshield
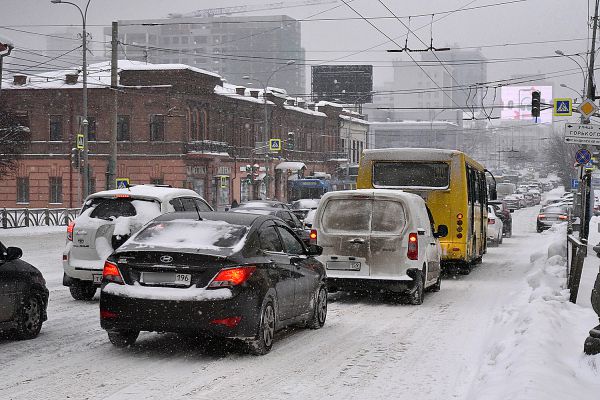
x=191, y=234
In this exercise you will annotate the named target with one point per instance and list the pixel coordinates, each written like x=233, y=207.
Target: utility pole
x=5, y=49
x=111, y=175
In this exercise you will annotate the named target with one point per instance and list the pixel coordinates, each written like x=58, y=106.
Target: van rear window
x=411, y=174
x=363, y=216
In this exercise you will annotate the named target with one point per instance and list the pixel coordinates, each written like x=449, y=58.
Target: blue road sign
x=574, y=183
x=583, y=156
x=122, y=183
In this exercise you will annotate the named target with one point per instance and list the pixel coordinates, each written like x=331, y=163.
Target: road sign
x=583, y=156
x=587, y=108
x=122, y=183
x=80, y=141
x=582, y=134
x=574, y=183
x=275, y=144
x=563, y=107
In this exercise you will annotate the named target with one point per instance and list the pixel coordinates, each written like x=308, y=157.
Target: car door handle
x=357, y=240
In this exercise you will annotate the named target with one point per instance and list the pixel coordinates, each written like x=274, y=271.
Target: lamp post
x=86, y=167
x=583, y=92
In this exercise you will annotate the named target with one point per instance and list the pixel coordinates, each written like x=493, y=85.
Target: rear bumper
x=78, y=268
x=350, y=284
x=182, y=316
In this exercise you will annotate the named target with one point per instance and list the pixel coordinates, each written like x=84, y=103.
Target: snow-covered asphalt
x=368, y=349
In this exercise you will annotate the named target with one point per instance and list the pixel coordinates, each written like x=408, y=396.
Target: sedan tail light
x=111, y=273
x=491, y=221
x=229, y=277
x=413, y=246
x=541, y=216
x=563, y=217
x=230, y=322
x=70, y=231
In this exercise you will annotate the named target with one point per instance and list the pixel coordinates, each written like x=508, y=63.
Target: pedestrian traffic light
x=535, y=103
x=75, y=158
x=291, y=141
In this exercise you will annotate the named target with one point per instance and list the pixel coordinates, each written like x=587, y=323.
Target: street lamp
x=561, y=53
x=570, y=88
x=86, y=167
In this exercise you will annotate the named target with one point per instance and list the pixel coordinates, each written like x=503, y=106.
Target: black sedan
x=23, y=295
x=286, y=215
x=241, y=276
x=551, y=215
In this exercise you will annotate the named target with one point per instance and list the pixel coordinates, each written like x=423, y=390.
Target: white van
x=378, y=239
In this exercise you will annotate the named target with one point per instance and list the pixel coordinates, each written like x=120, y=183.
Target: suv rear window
x=362, y=216
x=111, y=208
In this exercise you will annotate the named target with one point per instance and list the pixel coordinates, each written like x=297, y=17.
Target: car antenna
x=198, y=212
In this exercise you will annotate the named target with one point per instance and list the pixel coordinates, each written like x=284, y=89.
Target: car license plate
x=97, y=278
x=344, y=265
x=166, y=278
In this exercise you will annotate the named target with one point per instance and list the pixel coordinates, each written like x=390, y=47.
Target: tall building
x=235, y=47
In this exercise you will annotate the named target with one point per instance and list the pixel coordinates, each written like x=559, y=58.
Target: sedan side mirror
x=13, y=253
x=314, y=250
x=442, y=231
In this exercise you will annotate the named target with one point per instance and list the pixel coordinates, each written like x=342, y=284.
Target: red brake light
x=70, y=230
x=313, y=236
x=541, y=216
x=122, y=196
x=229, y=277
x=107, y=314
x=230, y=322
x=111, y=273
x=413, y=246
x=563, y=217
x=491, y=221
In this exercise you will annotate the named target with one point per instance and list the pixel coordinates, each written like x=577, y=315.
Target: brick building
x=177, y=125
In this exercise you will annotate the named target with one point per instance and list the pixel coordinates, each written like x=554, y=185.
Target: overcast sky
x=520, y=21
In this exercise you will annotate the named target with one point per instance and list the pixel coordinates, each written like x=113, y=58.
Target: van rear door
x=387, y=250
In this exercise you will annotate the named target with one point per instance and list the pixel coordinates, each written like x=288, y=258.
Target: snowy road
x=368, y=349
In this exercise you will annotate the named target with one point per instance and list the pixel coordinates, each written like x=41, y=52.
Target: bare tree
x=561, y=157
x=14, y=141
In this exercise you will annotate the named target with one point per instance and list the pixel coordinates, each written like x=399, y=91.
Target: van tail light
x=111, y=273
x=413, y=246
x=229, y=277
x=563, y=217
x=491, y=221
x=70, y=231
x=313, y=236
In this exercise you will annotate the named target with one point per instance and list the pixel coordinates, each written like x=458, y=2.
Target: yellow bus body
x=466, y=241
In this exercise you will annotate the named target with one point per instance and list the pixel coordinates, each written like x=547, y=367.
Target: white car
x=107, y=219
x=378, y=239
x=494, y=228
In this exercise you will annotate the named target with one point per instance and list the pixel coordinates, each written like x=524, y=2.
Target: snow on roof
x=304, y=110
x=406, y=197
x=352, y=119
x=323, y=103
x=228, y=90
x=142, y=66
x=291, y=165
x=5, y=40
x=407, y=123
x=405, y=153
x=160, y=193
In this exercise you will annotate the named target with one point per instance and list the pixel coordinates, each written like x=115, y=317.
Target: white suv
x=107, y=219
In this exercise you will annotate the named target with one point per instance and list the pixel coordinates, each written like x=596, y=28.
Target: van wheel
x=416, y=297
x=437, y=285
x=465, y=269
x=82, y=290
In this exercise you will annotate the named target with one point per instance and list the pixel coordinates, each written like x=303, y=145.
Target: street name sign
x=563, y=107
x=582, y=134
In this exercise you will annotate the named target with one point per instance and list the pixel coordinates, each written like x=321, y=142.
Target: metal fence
x=576, y=253
x=22, y=217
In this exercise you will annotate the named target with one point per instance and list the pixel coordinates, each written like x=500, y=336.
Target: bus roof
x=416, y=154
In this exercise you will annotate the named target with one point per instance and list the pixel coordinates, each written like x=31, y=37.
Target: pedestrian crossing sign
x=563, y=107
x=80, y=142
x=275, y=144
x=122, y=183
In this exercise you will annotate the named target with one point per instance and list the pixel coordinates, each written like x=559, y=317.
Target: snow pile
x=536, y=344
x=32, y=231
x=165, y=293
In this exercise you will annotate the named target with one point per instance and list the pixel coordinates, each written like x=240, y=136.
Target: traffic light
x=535, y=103
x=75, y=158
x=291, y=141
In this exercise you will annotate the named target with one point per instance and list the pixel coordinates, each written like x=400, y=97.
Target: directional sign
x=563, y=107
x=122, y=183
x=275, y=144
x=582, y=134
x=80, y=141
x=583, y=156
x=587, y=108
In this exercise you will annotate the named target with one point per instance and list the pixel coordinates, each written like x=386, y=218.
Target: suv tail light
x=413, y=246
x=229, y=277
x=111, y=273
x=541, y=216
x=563, y=217
x=70, y=231
x=313, y=236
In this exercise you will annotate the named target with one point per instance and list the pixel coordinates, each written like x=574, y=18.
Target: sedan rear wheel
x=266, y=331
x=123, y=338
x=29, y=322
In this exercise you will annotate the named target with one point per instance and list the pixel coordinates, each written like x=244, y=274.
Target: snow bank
x=535, y=348
x=32, y=231
x=164, y=293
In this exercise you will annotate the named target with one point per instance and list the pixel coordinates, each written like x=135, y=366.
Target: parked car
x=23, y=295
x=107, y=219
x=503, y=212
x=378, y=240
x=494, y=228
x=232, y=275
x=551, y=215
x=286, y=215
x=263, y=204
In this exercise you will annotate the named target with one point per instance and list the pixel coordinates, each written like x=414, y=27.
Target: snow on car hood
x=165, y=293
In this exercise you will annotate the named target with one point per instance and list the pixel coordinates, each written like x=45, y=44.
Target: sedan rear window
x=554, y=210
x=363, y=216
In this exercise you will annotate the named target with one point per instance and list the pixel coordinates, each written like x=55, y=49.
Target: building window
x=193, y=125
x=22, y=190
x=202, y=123
x=56, y=190
x=123, y=128
x=157, y=127
x=56, y=127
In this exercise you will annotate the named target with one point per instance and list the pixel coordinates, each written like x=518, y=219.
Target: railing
x=576, y=253
x=22, y=217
